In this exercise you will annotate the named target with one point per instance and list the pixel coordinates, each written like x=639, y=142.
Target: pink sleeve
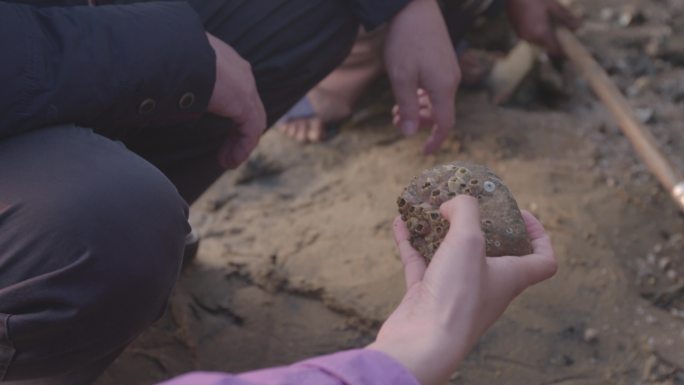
x=354, y=367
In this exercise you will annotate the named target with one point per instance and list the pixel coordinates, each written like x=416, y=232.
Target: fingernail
x=409, y=127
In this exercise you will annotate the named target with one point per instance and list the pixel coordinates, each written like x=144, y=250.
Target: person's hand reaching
x=419, y=53
x=535, y=21
x=450, y=304
x=235, y=97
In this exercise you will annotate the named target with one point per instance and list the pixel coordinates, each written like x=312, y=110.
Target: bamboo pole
x=640, y=137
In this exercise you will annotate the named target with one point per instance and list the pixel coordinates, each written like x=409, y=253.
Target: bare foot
x=333, y=98
x=305, y=129
x=306, y=122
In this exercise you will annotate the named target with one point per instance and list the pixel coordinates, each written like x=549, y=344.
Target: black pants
x=92, y=223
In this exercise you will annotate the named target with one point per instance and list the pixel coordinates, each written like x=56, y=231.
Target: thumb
x=232, y=154
x=462, y=211
x=465, y=236
x=541, y=264
x=243, y=139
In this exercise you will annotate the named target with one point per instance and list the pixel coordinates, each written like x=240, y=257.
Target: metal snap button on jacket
x=186, y=101
x=147, y=106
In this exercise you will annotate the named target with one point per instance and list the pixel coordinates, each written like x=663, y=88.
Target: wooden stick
x=640, y=137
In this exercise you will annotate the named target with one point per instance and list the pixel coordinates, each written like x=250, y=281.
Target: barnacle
x=502, y=223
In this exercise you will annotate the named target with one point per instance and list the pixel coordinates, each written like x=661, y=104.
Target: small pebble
x=651, y=259
x=607, y=14
x=591, y=335
x=631, y=16
x=650, y=364
x=653, y=47
x=638, y=86
x=671, y=275
x=625, y=20
x=662, y=371
x=657, y=248
x=664, y=263
x=645, y=115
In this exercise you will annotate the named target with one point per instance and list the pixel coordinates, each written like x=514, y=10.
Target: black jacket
x=123, y=63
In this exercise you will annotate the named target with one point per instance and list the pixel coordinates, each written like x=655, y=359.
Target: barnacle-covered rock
x=502, y=223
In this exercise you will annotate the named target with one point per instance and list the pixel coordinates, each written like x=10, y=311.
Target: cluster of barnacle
x=419, y=203
x=463, y=182
x=426, y=225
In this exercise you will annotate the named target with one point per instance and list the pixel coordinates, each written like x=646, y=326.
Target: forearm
x=355, y=367
x=124, y=65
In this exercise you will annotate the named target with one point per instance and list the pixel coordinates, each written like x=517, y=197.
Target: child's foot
x=333, y=98
x=309, y=119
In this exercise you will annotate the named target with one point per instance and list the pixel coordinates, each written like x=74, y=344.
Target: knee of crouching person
x=134, y=229
x=91, y=245
x=105, y=257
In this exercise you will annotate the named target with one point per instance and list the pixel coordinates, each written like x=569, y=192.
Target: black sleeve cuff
x=175, y=66
x=110, y=66
x=373, y=13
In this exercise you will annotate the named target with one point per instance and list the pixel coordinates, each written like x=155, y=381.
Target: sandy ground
x=297, y=257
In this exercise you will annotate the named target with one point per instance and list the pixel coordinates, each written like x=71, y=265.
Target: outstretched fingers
x=541, y=264
x=414, y=263
x=541, y=242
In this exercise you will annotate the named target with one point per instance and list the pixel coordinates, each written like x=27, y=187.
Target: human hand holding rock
x=450, y=304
